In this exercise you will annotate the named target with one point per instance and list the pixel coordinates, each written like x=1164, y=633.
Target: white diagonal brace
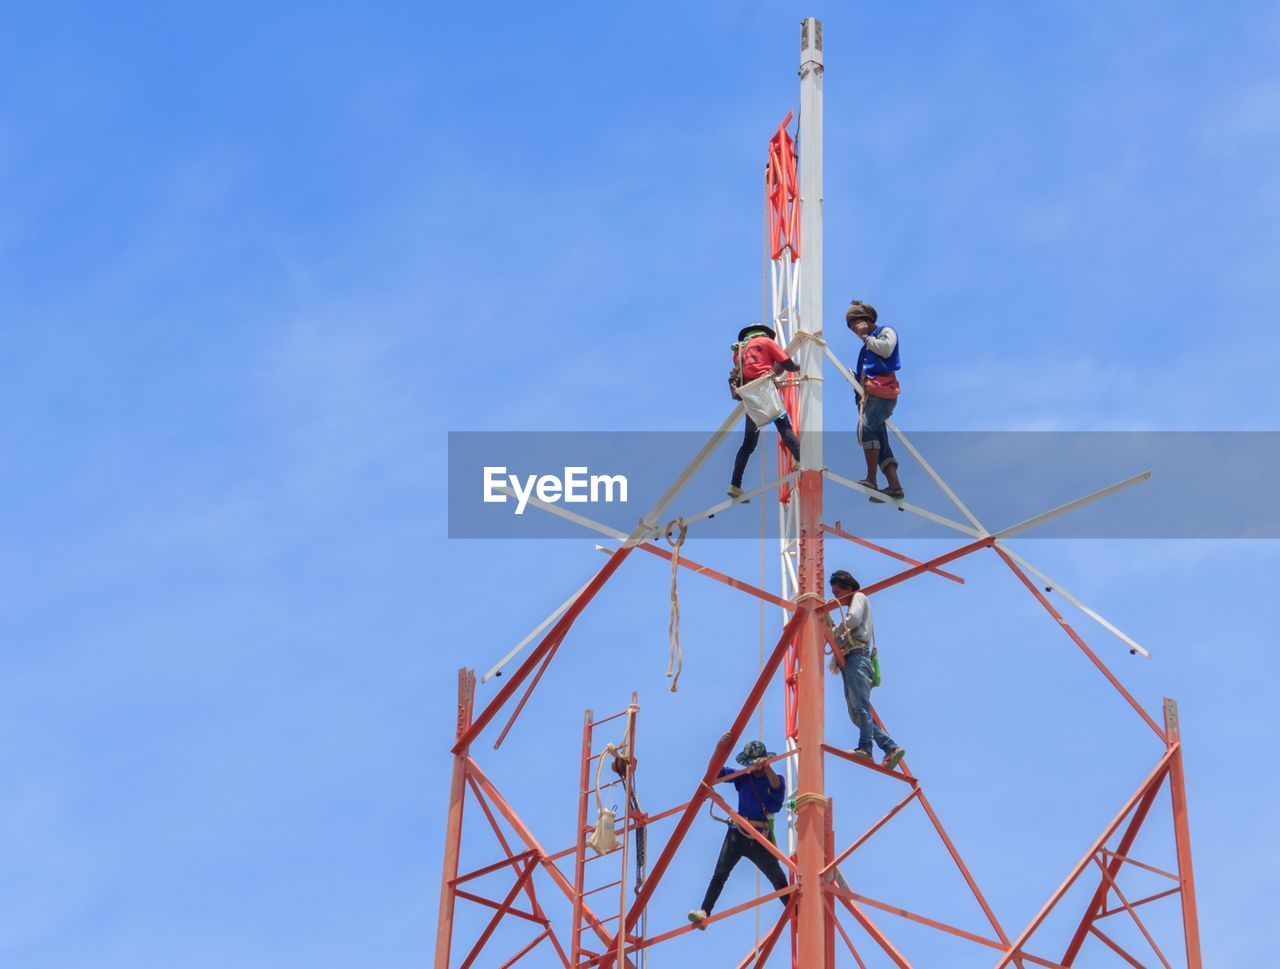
x=775, y=483
x=1073, y=505
x=573, y=516
x=1074, y=601
x=516, y=650
x=649, y=523
x=904, y=506
x=928, y=468
x=937, y=479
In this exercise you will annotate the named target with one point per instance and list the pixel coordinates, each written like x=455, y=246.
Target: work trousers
x=751, y=437
x=736, y=847
x=857, y=695
x=873, y=434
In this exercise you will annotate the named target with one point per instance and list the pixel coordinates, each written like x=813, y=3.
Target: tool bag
x=604, y=838
x=762, y=400
x=875, y=656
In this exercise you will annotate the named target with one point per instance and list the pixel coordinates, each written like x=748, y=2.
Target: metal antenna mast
x=810, y=791
x=817, y=895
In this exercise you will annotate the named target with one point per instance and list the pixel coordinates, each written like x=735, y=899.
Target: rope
x=624, y=765
x=800, y=800
x=802, y=335
x=675, y=655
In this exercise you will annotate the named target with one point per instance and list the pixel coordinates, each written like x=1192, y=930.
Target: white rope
x=675, y=654
x=604, y=838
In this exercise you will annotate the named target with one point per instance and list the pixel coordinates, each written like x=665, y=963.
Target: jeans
x=736, y=847
x=873, y=435
x=751, y=437
x=857, y=694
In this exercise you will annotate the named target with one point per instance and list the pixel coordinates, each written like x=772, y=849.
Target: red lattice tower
x=820, y=904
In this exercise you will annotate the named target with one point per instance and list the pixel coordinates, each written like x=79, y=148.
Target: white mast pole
x=810, y=150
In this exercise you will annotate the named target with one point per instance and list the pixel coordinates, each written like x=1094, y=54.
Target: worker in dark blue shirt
x=760, y=795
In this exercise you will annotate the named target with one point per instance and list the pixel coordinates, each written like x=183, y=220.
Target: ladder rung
x=603, y=888
x=596, y=723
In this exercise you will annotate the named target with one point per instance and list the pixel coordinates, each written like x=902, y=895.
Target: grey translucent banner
x=1203, y=484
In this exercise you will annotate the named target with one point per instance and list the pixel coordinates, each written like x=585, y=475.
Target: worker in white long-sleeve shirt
x=877, y=374
x=855, y=635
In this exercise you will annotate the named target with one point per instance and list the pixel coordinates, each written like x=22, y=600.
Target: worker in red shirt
x=755, y=354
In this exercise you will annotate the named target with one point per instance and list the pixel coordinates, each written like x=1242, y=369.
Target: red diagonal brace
x=757, y=956
x=1075, y=638
x=710, y=573
x=841, y=533
x=553, y=636
x=1152, y=780
x=718, y=757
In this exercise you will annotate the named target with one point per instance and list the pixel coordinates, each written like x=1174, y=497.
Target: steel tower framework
x=818, y=899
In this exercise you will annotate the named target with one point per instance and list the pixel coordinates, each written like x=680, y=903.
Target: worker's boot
x=894, y=488
x=736, y=494
x=894, y=757
x=699, y=919
x=864, y=754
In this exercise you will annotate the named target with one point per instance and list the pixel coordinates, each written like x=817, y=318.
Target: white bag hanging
x=604, y=838
x=762, y=400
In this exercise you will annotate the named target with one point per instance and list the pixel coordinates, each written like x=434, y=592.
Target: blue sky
x=254, y=263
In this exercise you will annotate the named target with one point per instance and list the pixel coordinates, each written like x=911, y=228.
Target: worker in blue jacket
x=877, y=373
x=761, y=792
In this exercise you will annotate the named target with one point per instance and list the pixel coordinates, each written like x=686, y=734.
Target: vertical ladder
x=583, y=916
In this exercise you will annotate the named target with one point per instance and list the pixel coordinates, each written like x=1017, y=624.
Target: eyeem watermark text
x=576, y=486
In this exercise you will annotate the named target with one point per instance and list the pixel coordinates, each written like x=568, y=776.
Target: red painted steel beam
x=533, y=685
x=579, y=841
x=524, y=834
x=648, y=819
x=529, y=886
x=935, y=924
x=924, y=567
x=453, y=823
x=553, y=636
x=1115, y=887
x=835, y=862
x=831, y=914
x=829, y=846
x=1075, y=638
x=1182, y=835
x=634, y=945
x=700, y=569
x=1152, y=780
x=764, y=760
x=495, y=866
x=1099, y=899
x=510, y=910
x=497, y=916
x=749, y=830
x=1115, y=947
x=525, y=951
x=870, y=765
x=810, y=923
x=841, y=533
x=896, y=957
x=718, y=757
x=955, y=857
x=760, y=954
x=1142, y=901
x=1140, y=864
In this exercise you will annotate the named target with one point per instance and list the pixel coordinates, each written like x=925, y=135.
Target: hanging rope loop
x=675, y=655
